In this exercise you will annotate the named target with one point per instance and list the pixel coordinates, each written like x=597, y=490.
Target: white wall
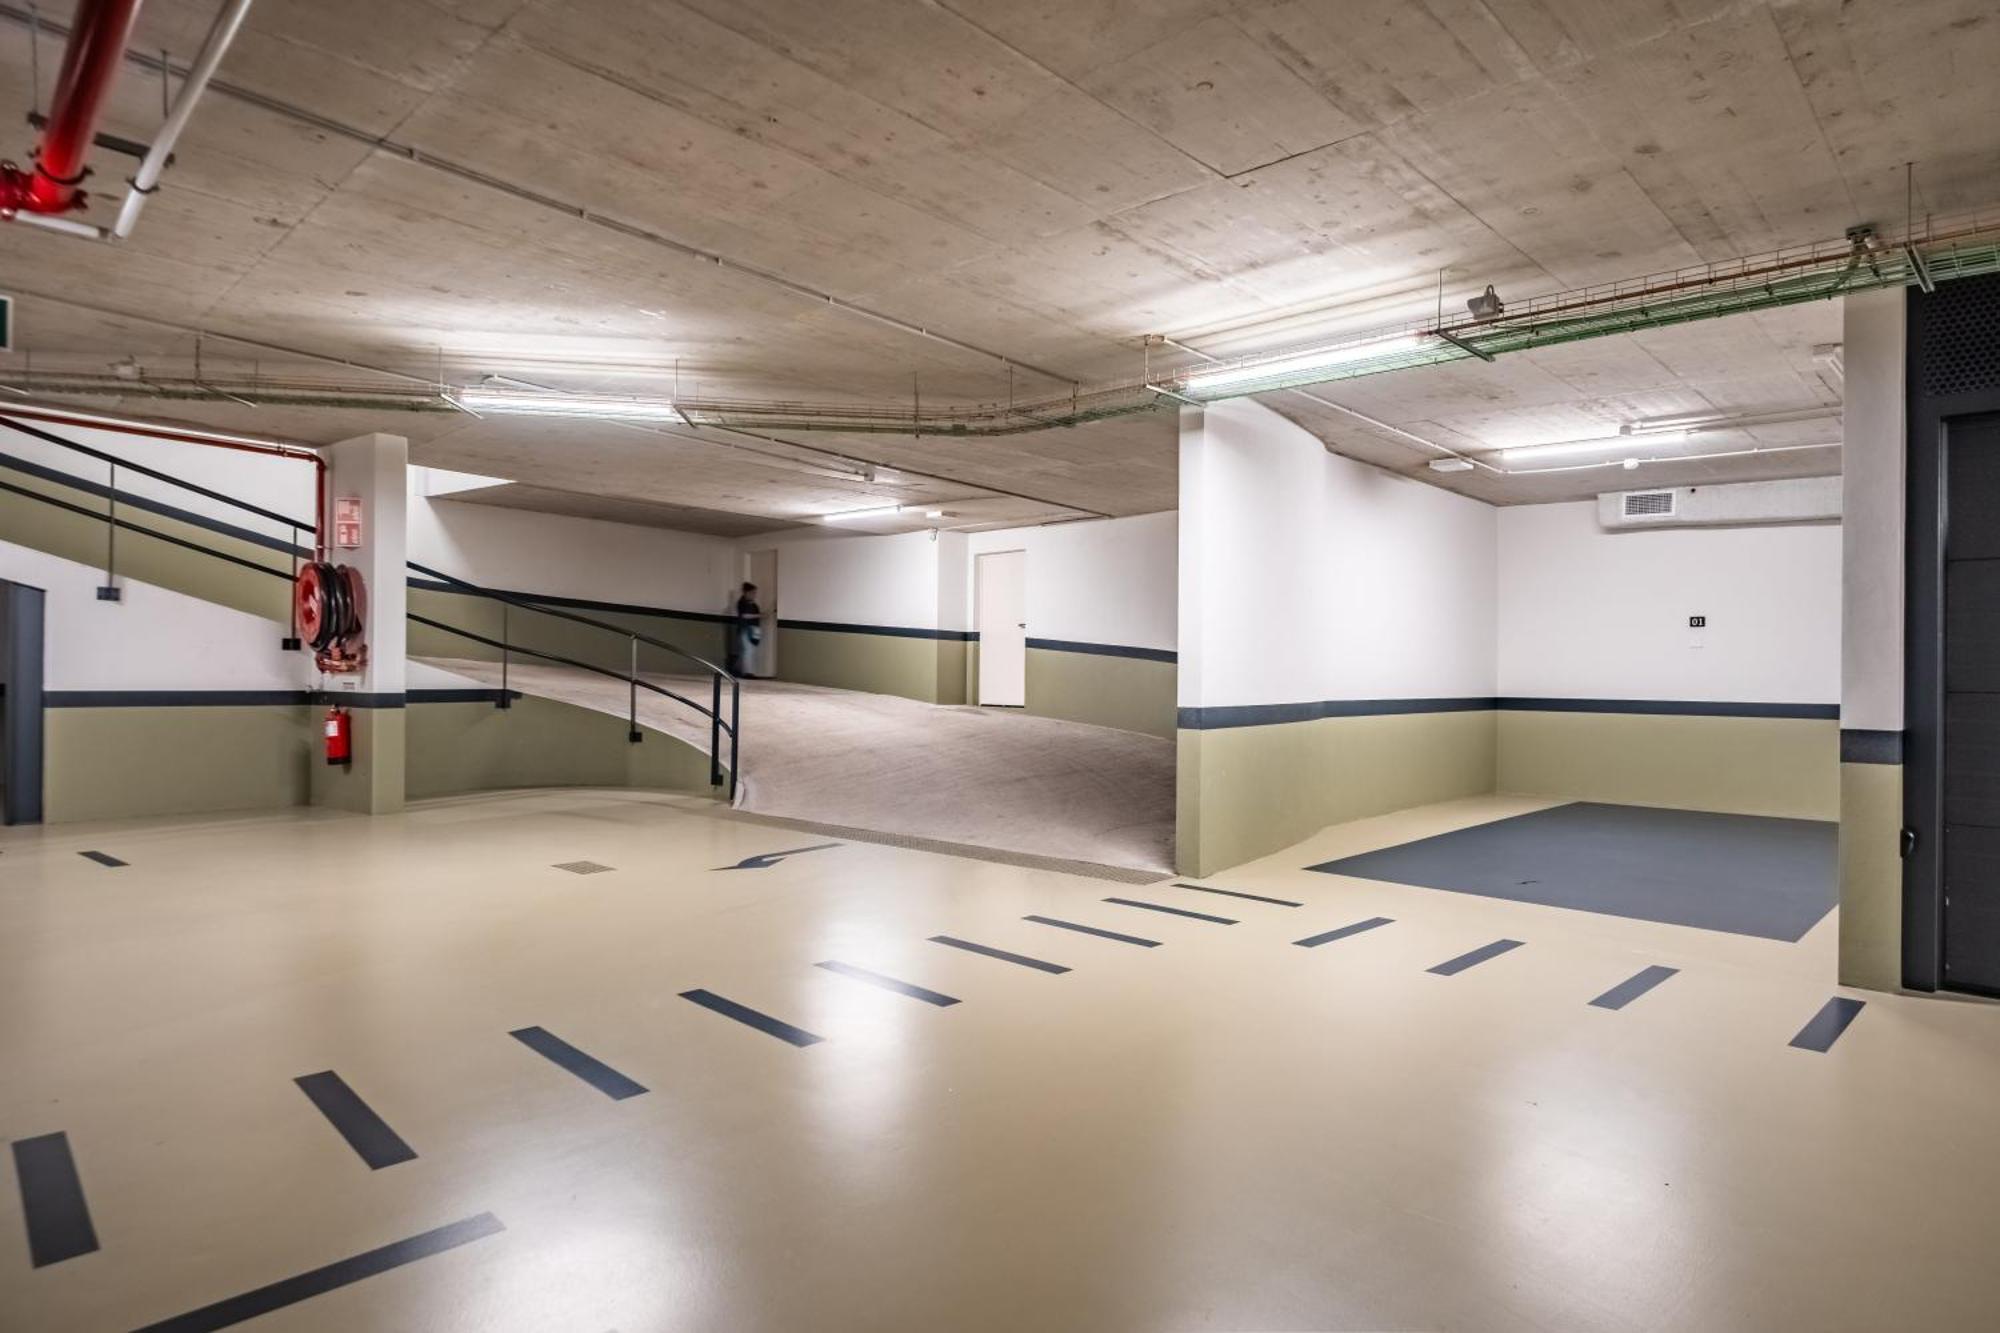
x=519, y=550
x=1108, y=581
x=1590, y=614
x=284, y=486
x=151, y=639
x=1306, y=576
x=848, y=579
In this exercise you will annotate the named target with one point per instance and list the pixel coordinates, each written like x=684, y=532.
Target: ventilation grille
x=1649, y=504
x=582, y=867
x=1961, y=346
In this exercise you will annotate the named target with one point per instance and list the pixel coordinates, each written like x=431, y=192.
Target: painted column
x=372, y=469
x=1871, y=694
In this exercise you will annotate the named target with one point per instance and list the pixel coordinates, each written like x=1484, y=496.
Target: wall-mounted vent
x=1961, y=321
x=1649, y=504
x=1735, y=504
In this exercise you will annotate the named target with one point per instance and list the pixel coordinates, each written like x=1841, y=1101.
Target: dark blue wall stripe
x=126, y=500
x=52, y=1200
x=265, y=698
x=1264, y=715
x=582, y=603
x=891, y=631
x=1871, y=747
x=174, y=698
x=253, y=1304
x=1669, y=707
x=1261, y=715
x=366, y=1132
x=1104, y=649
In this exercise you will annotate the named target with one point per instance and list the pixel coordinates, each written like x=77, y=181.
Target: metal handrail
x=717, y=726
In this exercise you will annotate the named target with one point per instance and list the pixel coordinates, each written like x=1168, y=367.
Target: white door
x=1001, y=585
x=764, y=573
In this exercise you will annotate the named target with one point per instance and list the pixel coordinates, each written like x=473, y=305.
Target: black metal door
x=21, y=702
x=1969, y=753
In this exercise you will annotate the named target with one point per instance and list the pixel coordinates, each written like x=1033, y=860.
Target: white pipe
x=147, y=178
x=67, y=226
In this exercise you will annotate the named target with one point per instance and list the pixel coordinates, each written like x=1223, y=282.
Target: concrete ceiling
x=736, y=194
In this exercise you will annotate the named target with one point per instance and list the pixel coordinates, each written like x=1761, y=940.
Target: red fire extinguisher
x=339, y=739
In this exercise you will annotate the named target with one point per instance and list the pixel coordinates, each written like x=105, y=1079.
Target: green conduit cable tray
x=1864, y=260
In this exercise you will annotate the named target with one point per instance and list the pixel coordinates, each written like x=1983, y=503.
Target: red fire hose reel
x=332, y=606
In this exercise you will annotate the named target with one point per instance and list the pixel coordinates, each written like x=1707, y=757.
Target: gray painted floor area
x=1745, y=874
x=983, y=777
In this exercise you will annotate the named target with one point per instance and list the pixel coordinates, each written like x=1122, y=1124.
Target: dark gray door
x=1970, y=750
x=20, y=704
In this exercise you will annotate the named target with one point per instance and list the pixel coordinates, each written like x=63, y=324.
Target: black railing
x=718, y=727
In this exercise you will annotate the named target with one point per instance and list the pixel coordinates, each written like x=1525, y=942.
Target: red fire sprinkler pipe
x=96, y=47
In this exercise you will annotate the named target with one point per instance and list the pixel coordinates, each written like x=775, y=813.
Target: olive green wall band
x=1782, y=766
x=124, y=763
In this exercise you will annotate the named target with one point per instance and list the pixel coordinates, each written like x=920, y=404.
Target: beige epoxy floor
x=984, y=777
x=1225, y=1132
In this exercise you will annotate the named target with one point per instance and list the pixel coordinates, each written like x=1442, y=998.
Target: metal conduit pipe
x=91, y=60
x=147, y=179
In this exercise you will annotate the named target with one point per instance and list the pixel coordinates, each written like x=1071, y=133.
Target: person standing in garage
x=745, y=633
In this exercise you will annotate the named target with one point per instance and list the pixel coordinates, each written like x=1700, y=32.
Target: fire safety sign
x=347, y=522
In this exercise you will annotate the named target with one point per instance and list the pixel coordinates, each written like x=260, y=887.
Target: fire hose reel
x=332, y=606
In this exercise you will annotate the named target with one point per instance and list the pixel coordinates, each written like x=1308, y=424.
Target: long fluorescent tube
x=849, y=515
x=484, y=400
x=1566, y=448
x=1324, y=358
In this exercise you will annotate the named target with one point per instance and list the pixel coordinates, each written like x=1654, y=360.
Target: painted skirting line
x=1668, y=707
x=1264, y=715
x=580, y=603
x=1870, y=747
x=1261, y=715
x=266, y=698
x=890, y=631
x=1104, y=650
x=129, y=500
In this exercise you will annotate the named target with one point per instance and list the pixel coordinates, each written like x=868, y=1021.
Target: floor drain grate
x=582, y=867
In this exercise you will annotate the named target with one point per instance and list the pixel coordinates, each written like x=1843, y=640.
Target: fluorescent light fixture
x=853, y=515
x=1566, y=448
x=482, y=399
x=1322, y=358
x=1451, y=465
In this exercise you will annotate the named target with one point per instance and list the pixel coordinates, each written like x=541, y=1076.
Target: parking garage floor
x=606, y=1061
x=980, y=777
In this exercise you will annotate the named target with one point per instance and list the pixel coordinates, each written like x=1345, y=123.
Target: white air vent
x=1649, y=504
x=1734, y=504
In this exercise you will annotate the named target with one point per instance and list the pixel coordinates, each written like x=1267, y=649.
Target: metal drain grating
x=582, y=867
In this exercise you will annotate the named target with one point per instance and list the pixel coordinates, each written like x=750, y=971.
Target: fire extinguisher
x=339, y=738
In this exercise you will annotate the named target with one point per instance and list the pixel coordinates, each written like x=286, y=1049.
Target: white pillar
x=372, y=469
x=1871, y=687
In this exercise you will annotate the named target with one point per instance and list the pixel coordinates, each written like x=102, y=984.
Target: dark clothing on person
x=744, y=634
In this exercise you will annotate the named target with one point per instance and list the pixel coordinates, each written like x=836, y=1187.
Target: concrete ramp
x=984, y=777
